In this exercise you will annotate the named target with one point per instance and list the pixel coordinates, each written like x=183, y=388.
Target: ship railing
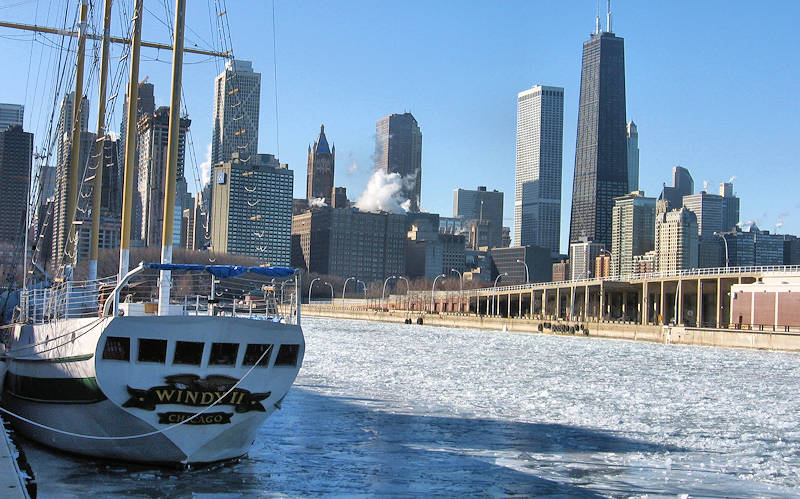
x=193, y=293
x=196, y=292
x=62, y=300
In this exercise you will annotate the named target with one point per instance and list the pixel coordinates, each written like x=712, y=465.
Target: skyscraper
x=10, y=115
x=601, y=164
x=252, y=205
x=675, y=241
x=237, y=93
x=16, y=149
x=398, y=149
x=633, y=157
x=671, y=198
x=146, y=103
x=633, y=229
x=484, y=207
x=60, y=224
x=540, y=138
x=153, y=138
x=321, y=164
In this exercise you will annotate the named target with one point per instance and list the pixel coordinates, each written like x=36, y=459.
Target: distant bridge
x=701, y=298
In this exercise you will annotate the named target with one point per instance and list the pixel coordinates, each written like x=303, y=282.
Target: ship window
x=287, y=355
x=188, y=352
x=223, y=354
x=152, y=350
x=117, y=348
x=254, y=352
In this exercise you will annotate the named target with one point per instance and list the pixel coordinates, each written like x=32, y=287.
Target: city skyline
x=681, y=100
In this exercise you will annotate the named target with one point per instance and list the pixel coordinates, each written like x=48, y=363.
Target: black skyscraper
x=601, y=149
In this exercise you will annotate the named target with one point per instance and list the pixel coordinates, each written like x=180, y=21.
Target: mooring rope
x=141, y=435
x=90, y=325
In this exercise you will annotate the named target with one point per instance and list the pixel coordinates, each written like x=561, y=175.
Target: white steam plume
x=732, y=179
x=205, y=167
x=383, y=193
x=317, y=203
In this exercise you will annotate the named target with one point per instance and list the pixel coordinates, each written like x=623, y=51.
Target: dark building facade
x=601, y=164
x=398, y=149
x=538, y=259
x=16, y=149
x=671, y=198
x=349, y=243
x=321, y=163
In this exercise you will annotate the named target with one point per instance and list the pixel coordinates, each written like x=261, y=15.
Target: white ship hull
x=85, y=397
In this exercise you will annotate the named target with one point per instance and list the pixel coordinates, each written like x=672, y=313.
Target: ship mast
x=130, y=144
x=101, y=142
x=70, y=248
x=165, y=277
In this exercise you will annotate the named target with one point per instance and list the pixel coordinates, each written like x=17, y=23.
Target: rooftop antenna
x=608, y=17
x=597, y=20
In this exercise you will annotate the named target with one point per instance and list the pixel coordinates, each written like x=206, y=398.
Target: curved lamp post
x=345, y=285
x=494, y=295
x=527, y=277
x=310, y=287
x=365, y=287
x=408, y=287
x=460, y=286
x=434, y=287
x=383, y=294
x=722, y=235
x=331, y=286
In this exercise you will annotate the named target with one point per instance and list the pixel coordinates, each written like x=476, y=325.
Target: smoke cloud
x=732, y=179
x=317, y=202
x=205, y=167
x=384, y=193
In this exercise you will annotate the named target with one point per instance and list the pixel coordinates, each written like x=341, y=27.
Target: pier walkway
x=12, y=485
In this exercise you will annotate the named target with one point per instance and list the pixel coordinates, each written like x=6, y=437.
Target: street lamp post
x=460, y=286
x=345, y=285
x=331, y=286
x=722, y=235
x=434, y=287
x=527, y=277
x=494, y=295
x=364, y=284
x=310, y=286
x=408, y=287
x=383, y=294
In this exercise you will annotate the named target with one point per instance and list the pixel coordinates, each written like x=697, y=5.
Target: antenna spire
x=597, y=20
x=608, y=17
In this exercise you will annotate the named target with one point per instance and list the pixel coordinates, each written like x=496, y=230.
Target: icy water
x=391, y=409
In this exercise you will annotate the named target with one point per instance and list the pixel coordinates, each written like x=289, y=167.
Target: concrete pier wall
x=726, y=338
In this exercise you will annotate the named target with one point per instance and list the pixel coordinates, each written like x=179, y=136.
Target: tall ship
x=165, y=363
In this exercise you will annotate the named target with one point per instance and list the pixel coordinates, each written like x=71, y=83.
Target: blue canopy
x=225, y=271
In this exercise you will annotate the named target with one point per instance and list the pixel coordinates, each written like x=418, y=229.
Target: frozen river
x=383, y=409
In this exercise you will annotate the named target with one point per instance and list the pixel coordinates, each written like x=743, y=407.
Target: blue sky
x=712, y=86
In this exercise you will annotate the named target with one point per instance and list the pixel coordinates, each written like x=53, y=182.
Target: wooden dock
x=12, y=485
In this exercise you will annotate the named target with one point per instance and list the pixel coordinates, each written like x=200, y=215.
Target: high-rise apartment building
x=582, y=259
x=537, y=194
x=10, y=115
x=252, y=208
x=482, y=207
x=60, y=224
x=633, y=157
x=321, y=164
x=601, y=163
x=675, y=241
x=16, y=150
x=398, y=149
x=237, y=94
x=632, y=230
x=671, y=198
x=153, y=154
x=145, y=104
